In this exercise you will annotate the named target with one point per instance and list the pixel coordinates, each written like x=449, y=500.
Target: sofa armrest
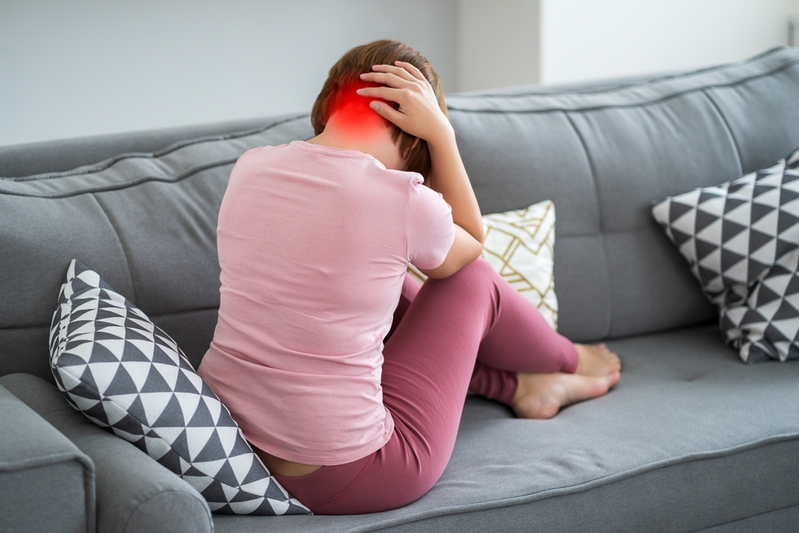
x=46, y=482
x=134, y=492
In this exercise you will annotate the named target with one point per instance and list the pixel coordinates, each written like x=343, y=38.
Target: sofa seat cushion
x=690, y=438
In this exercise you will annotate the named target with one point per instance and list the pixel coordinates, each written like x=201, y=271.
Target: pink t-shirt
x=313, y=244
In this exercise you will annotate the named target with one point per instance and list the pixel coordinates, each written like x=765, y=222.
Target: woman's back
x=313, y=243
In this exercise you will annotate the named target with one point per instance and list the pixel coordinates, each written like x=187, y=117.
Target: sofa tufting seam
x=730, y=133
x=121, y=246
x=454, y=107
x=632, y=84
x=600, y=216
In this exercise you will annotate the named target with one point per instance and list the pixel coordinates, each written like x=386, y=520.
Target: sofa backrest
x=146, y=221
x=602, y=156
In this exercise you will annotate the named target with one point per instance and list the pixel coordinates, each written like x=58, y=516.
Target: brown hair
x=414, y=151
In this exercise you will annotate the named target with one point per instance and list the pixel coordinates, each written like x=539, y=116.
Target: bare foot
x=596, y=360
x=541, y=396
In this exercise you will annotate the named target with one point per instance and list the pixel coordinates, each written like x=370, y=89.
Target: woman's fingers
x=400, y=74
x=399, y=79
x=388, y=113
x=384, y=93
x=412, y=70
x=417, y=111
x=402, y=69
x=385, y=78
x=399, y=70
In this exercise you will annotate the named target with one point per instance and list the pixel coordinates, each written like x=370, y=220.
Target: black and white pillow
x=741, y=239
x=123, y=372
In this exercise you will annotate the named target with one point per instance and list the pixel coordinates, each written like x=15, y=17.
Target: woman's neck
x=380, y=145
x=353, y=125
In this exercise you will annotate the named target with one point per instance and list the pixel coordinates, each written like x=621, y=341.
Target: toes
x=609, y=356
x=613, y=379
x=555, y=391
x=596, y=360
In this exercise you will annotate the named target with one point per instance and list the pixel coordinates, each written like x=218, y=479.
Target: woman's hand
x=418, y=113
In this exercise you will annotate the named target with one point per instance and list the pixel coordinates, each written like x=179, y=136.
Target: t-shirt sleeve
x=430, y=229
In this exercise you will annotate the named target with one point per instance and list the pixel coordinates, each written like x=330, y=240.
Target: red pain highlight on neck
x=351, y=112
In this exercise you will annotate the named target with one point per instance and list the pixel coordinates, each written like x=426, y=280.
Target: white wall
x=585, y=39
x=498, y=43
x=84, y=67
x=517, y=42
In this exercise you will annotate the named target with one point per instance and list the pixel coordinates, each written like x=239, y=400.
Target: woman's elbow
x=456, y=261
x=477, y=251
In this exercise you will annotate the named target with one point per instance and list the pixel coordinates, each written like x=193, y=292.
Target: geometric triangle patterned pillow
x=124, y=373
x=741, y=240
x=519, y=246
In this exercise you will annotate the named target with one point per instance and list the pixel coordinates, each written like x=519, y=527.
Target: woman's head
x=343, y=79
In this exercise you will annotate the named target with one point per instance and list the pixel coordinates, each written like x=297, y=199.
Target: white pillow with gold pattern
x=519, y=245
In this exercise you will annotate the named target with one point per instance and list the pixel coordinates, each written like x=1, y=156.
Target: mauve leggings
x=470, y=331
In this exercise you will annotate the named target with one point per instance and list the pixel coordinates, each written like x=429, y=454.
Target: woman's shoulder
x=273, y=157
x=261, y=151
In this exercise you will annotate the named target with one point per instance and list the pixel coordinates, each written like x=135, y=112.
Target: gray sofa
x=690, y=439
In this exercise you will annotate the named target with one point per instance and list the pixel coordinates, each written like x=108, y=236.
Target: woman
x=347, y=379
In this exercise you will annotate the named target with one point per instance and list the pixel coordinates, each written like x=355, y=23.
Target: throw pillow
x=123, y=372
x=519, y=245
x=741, y=239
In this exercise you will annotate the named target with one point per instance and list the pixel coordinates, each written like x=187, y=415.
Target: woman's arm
x=448, y=176
x=419, y=115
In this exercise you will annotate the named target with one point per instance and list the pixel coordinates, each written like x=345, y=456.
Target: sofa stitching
x=236, y=135
x=587, y=485
x=657, y=79
x=787, y=66
x=741, y=520
x=91, y=501
x=48, y=460
x=179, y=145
x=177, y=492
x=121, y=246
x=600, y=216
x=124, y=185
x=723, y=119
x=165, y=151
x=87, y=466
